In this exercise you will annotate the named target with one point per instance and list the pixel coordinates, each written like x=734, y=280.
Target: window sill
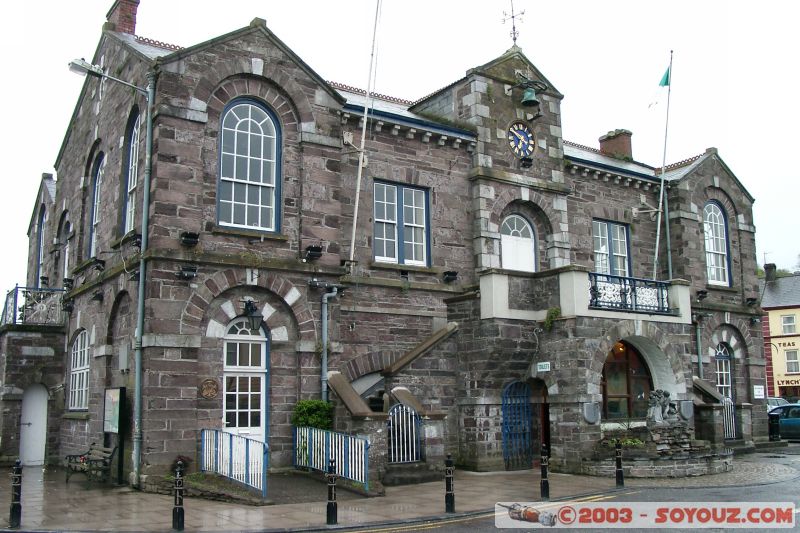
x=76, y=415
x=125, y=239
x=398, y=267
x=725, y=288
x=249, y=233
x=89, y=263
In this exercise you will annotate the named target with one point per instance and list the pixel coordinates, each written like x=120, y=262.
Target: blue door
x=517, y=426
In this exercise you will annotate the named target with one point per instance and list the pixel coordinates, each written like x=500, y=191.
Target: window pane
x=255, y=419
x=255, y=401
x=243, y=422
x=244, y=356
x=230, y=420
x=230, y=401
x=244, y=385
x=255, y=354
x=230, y=359
x=617, y=408
x=238, y=214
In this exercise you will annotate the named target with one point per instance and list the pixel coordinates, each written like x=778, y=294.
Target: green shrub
x=313, y=413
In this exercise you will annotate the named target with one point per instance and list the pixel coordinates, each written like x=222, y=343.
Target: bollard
x=15, y=517
x=449, y=489
x=618, y=455
x=332, y=506
x=544, y=484
x=177, y=511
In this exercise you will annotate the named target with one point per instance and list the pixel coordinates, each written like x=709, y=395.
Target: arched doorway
x=33, y=425
x=626, y=383
x=726, y=386
x=517, y=426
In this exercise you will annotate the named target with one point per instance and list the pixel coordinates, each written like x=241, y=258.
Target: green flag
x=664, y=80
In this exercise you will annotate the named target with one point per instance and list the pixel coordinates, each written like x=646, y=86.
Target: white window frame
x=393, y=225
x=40, y=247
x=238, y=335
x=724, y=370
x=791, y=358
x=79, y=373
x=95, y=222
x=788, y=324
x=133, y=174
x=517, y=244
x=248, y=168
x=715, y=232
x=610, y=246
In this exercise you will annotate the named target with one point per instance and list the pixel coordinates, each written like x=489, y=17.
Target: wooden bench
x=95, y=463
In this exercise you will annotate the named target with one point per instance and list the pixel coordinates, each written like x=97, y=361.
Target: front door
x=517, y=425
x=245, y=383
x=33, y=426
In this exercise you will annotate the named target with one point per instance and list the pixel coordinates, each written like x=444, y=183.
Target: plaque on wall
x=209, y=389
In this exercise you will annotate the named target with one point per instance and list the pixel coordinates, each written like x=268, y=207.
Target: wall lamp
x=702, y=294
x=253, y=315
x=67, y=305
x=97, y=296
x=751, y=302
x=186, y=272
x=754, y=320
x=313, y=252
x=449, y=276
x=44, y=281
x=99, y=264
x=190, y=238
x=69, y=283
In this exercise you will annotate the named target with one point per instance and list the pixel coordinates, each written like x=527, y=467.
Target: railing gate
x=405, y=444
x=729, y=418
x=517, y=426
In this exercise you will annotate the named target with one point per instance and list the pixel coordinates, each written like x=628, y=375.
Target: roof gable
x=45, y=195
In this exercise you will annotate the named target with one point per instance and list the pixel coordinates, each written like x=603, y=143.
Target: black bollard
x=449, y=489
x=544, y=484
x=177, y=511
x=15, y=517
x=618, y=455
x=333, y=510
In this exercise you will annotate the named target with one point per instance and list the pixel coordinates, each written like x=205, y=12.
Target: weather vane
x=513, y=17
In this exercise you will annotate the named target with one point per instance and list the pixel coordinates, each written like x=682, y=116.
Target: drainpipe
x=699, y=347
x=324, y=375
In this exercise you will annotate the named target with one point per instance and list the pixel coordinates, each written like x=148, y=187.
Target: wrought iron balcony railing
x=33, y=306
x=628, y=294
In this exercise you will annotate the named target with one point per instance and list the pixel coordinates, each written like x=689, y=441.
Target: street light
x=82, y=67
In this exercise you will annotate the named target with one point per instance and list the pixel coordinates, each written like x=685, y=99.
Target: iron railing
x=313, y=448
x=628, y=294
x=235, y=457
x=405, y=435
x=34, y=306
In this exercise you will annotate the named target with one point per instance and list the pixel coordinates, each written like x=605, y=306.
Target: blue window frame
x=401, y=228
x=97, y=185
x=248, y=193
x=131, y=172
x=611, y=251
x=715, y=229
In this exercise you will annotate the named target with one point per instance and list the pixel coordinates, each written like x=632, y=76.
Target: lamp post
x=82, y=67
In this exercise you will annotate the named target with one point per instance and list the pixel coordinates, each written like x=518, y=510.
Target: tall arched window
x=249, y=181
x=517, y=244
x=716, y=240
x=79, y=373
x=724, y=370
x=626, y=384
x=40, y=244
x=131, y=173
x=97, y=184
x=246, y=393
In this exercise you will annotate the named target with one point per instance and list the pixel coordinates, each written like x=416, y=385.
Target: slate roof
x=783, y=292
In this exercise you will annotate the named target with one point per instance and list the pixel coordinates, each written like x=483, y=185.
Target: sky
x=734, y=78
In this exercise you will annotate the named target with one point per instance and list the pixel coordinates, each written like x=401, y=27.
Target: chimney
x=617, y=144
x=122, y=16
x=770, y=271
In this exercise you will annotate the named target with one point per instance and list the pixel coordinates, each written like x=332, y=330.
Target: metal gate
x=405, y=445
x=729, y=418
x=517, y=426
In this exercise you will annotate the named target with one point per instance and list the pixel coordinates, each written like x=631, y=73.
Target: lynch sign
x=788, y=382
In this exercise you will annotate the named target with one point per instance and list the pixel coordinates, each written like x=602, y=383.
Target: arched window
x=131, y=173
x=716, y=240
x=724, y=376
x=248, y=194
x=246, y=364
x=40, y=244
x=79, y=372
x=517, y=244
x=64, y=236
x=97, y=184
x=626, y=384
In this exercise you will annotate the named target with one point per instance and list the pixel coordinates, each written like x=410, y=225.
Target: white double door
x=33, y=426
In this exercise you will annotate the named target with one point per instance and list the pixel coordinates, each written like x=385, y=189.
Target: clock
x=520, y=139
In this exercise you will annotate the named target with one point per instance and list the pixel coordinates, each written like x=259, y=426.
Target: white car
x=773, y=402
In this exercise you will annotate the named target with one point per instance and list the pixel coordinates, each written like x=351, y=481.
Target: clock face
x=520, y=139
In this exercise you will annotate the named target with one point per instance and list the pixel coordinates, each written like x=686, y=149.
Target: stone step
x=411, y=473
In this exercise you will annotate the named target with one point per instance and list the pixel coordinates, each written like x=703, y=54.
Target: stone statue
x=660, y=408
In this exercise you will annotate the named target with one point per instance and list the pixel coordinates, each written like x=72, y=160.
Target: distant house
x=781, y=303
x=498, y=280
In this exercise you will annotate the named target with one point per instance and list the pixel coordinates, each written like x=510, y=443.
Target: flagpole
x=661, y=198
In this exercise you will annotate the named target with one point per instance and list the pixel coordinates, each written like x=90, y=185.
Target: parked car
x=773, y=402
x=789, y=420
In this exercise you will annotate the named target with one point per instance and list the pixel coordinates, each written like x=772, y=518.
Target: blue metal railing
x=33, y=305
x=313, y=448
x=628, y=294
x=235, y=457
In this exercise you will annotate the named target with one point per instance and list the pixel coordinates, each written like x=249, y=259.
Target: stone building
x=780, y=300
x=500, y=280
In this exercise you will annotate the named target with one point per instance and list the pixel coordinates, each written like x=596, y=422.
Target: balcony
x=33, y=306
x=579, y=292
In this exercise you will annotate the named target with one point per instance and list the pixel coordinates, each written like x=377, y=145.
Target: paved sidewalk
x=48, y=503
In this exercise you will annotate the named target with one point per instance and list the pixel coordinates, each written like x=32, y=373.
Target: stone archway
x=661, y=371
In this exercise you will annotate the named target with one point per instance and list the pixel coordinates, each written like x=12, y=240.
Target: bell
x=529, y=98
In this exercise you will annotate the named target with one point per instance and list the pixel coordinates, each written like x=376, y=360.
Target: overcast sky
x=735, y=78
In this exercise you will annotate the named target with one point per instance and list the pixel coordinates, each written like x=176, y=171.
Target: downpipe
x=331, y=291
